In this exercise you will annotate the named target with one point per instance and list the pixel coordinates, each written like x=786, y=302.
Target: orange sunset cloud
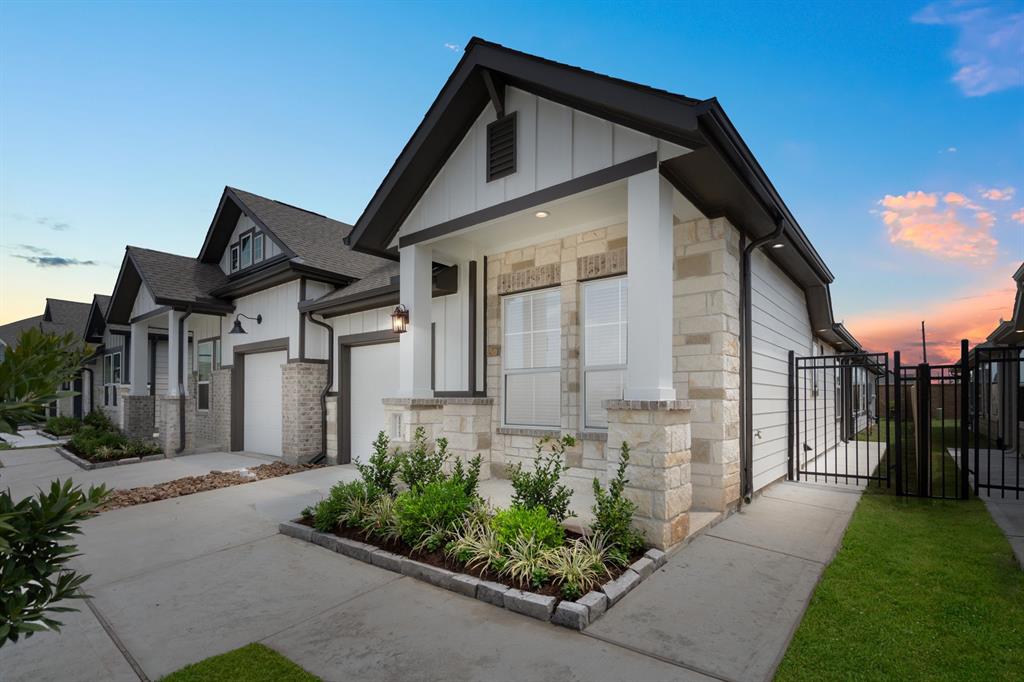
x=947, y=321
x=916, y=220
x=996, y=194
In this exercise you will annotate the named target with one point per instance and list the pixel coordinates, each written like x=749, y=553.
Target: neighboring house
x=1000, y=408
x=611, y=241
x=60, y=317
x=217, y=353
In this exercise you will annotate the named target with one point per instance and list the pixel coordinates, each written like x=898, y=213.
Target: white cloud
x=989, y=49
x=996, y=194
x=917, y=221
x=452, y=47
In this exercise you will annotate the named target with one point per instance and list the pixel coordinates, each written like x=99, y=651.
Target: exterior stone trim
x=530, y=433
x=537, y=277
x=439, y=401
x=600, y=265
x=652, y=405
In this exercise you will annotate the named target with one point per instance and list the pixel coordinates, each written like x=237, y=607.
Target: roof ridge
x=287, y=205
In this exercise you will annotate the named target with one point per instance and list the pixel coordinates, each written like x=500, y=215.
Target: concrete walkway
x=176, y=581
x=29, y=438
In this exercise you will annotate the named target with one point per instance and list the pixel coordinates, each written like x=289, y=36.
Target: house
x=60, y=317
x=214, y=351
x=625, y=272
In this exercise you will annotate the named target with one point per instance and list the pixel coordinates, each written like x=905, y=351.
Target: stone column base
x=301, y=385
x=138, y=416
x=170, y=426
x=464, y=421
x=658, y=435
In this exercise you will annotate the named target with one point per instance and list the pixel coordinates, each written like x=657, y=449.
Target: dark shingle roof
x=316, y=240
x=102, y=301
x=69, y=315
x=10, y=332
x=381, y=277
x=177, y=278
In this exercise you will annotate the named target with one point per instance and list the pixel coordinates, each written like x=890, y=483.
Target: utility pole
x=924, y=345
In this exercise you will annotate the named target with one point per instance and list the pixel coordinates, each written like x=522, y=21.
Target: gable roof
x=96, y=322
x=173, y=280
x=379, y=286
x=306, y=238
x=10, y=332
x=70, y=316
x=720, y=176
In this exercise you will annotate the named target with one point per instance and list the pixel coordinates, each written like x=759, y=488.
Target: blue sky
x=121, y=123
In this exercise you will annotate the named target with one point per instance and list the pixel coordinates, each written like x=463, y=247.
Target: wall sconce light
x=400, y=319
x=237, y=328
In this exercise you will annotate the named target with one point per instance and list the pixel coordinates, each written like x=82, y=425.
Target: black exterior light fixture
x=237, y=328
x=400, y=319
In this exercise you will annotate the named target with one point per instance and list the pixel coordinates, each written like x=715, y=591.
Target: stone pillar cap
x=647, y=405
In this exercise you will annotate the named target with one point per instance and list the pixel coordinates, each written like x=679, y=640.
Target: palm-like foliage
x=31, y=374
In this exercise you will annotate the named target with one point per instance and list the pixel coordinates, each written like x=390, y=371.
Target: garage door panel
x=374, y=376
x=263, y=416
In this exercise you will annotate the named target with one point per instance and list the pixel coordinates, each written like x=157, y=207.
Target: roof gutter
x=327, y=387
x=747, y=358
x=181, y=381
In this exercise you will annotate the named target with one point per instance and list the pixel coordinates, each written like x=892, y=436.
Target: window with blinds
x=531, y=371
x=604, y=347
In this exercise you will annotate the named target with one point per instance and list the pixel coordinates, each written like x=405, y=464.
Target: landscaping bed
x=97, y=443
x=189, y=485
x=435, y=527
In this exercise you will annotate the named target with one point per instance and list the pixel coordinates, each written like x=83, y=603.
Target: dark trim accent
x=496, y=91
x=583, y=183
x=76, y=401
x=225, y=219
x=302, y=320
x=433, y=355
x=308, y=361
x=456, y=394
x=162, y=310
x=484, y=344
x=182, y=349
x=264, y=264
x=238, y=384
x=446, y=282
x=345, y=346
x=327, y=387
x=509, y=119
x=471, y=348
x=126, y=360
x=277, y=271
x=153, y=343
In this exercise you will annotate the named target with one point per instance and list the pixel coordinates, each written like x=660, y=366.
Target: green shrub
x=89, y=439
x=346, y=504
x=518, y=522
x=379, y=472
x=34, y=554
x=99, y=420
x=579, y=566
x=62, y=426
x=140, y=448
x=613, y=512
x=526, y=562
x=540, y=487
x=422, y=466
x=437, y=508
x=381, y=521
x=468, y=477
x=476, y=545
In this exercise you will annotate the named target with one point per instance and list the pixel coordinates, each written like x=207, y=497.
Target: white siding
x=316, y=336
x=244, y=224
x=554, y=144
x=144, y=302
x=279, y=308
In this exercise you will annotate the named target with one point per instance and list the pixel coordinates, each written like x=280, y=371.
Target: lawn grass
x=251, y=663
x=920, y=590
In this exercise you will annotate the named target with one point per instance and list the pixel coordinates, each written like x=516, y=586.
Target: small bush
x=579, y=566
x=476, y=545
x=346, y=504
x=381, y=521
x=62, y=426
x=98, y=419
x=89, y=439
x=437, y=507
x=526, y=562
x=541, y=487
x=468, y=477
x=422, y=466
x=379, y=472
x=519, y=522
x=613, y=512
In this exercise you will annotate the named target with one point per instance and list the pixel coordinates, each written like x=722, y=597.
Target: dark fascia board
x=126, y=288
x=254, y=270
x=95, y=324
x=464, y=95
x=223, y=224
x=446, y=282
x=277, y=273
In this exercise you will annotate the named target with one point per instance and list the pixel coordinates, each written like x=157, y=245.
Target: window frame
x=506, y=371
x=214, y=341
x=243, y=239
x=236, y=258
x=584, y=367
x=109, y=384
x=257, y=238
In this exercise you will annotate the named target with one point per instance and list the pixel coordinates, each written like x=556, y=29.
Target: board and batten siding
x=144, y=302
x=279, y=307
x=554, y=144
x=244, y=224
x=779, y=324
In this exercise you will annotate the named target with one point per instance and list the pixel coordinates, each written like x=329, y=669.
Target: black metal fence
x=927, y=430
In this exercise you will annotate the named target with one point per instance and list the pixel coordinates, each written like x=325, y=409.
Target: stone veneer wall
x=465, y=422
x=332, y=428
x=706, y=350
x=301, y=385
x=220, y=408
x=204, y=431
x=565, y=263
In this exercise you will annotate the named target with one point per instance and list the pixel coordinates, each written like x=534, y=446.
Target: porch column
x=172, y=352
x=138, y=362
x=649, y=251
x=416, y=282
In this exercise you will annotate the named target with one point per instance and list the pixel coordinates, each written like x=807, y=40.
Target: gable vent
x=501, y=147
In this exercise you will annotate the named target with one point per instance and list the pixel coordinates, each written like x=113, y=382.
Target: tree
x=32, y=372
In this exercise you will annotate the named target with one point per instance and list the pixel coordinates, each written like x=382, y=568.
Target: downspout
x=92, y=391
x=747, y=360
x=182, y=345
x=327, y=388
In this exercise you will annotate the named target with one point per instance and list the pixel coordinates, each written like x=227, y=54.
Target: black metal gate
x=927, y=430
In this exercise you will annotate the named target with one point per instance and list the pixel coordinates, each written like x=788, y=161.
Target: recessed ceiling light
x=821, y=331
x=777, y=245
x=541, y=214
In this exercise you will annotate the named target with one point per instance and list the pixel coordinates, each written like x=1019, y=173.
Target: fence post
x=791, y=421
x=924, y=429
x=964, y=416
x=898, y=401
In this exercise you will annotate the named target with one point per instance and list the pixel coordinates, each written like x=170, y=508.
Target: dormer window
x=245, y=247
x=234, y=257
x=257, y=247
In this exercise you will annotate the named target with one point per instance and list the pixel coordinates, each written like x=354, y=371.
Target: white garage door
x=263, y=416
x=374, y=377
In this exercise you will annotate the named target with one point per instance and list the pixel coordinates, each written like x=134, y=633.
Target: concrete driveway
x=176, y=581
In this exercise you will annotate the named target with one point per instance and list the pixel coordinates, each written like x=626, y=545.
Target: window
x=257, y=247
x=208, y=359
x=532, y=358
x=245, y=247
x=111, y=378
x=234, y=257
x=604, y=347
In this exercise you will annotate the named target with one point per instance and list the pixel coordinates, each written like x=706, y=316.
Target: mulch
x=198, y=484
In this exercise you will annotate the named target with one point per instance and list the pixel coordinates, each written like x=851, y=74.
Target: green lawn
x=920, y=590
x=251, y=663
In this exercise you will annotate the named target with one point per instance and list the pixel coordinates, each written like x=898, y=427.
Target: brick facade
x=170, y=424
x=137, y=415
x=301, y=385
